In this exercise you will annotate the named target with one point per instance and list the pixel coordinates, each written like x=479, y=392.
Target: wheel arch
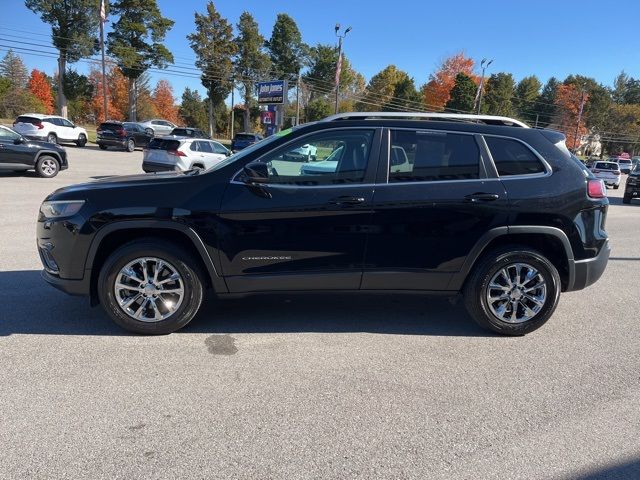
x=550, y=241
x=51, y=153
x=117, y=234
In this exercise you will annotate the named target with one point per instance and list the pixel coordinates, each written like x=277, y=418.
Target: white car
x=50, y=128
x=173, y=153
x=305, y=153
x=608, y=172
x=625, y=165
x=157, y=126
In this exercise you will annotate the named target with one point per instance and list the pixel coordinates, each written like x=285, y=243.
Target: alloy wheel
x=49, y=167
x=149, y=289
x=516, y=293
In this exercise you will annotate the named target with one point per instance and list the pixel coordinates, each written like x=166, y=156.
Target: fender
x=217, y=281
x=53, y=153
x=458, y=279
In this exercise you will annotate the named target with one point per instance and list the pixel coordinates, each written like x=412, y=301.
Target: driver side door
x=301, y=231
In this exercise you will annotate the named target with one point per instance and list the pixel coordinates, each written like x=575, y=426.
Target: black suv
x=19, y=154
x=632, y=187
x=244, y=140
x=126, y=135
x=435, y=204
x=189, y=132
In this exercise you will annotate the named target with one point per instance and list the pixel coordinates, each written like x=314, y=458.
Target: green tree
x=286, y=48
x=252, y=63
x=499, y=96
x=405, y=96
x=321, y=76
x=136, y=41
x=624, y=120
x=381, y=91
x=193, y=109
x=463, y=94
x=599, y=100
x=619, y=91
x=79, y=92
x=544, y=108
x=14, y=70
x=526, y=94
x=214, y=46
x=74, y=32
x=318, y=109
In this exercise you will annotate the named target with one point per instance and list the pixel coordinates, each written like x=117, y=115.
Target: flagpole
x=104, y=75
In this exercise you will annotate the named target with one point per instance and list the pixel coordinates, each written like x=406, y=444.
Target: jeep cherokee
x=479, y=205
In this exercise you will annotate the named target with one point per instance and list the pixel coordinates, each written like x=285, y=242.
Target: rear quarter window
x=512, y=157
x=163, y=144
x=25, y=119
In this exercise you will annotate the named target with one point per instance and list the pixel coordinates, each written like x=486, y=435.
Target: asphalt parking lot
x=311, y=386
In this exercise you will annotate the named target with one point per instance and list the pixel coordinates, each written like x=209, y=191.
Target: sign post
x=274, y=95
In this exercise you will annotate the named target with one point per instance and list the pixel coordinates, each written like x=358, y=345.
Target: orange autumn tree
x=165, y=103
x=119, y=86
x=569, y=101
x=41, y=89
x=437, y=91
x=117, y=94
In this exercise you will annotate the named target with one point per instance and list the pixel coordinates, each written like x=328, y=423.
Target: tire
x=626, y=199
x=102, y=146
x=197, y=167
x=476, y=290
x=52, y=138
x=177, y=260
x=615, y=187
x=82, y=140
x=47, y=166
x=149, y=131
x=131, y=145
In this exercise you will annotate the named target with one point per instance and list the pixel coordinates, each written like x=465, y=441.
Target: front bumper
x=72, y=287
x=587, y=272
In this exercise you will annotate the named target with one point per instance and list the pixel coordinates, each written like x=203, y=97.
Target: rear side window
x=420, y=156
x=513, y=158
x=181, y=132
x=162, y=144
x=110, y=126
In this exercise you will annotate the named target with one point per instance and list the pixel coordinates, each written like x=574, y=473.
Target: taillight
x=177, y=153
x=40, y=126
x=121, y=132
x=596, y=188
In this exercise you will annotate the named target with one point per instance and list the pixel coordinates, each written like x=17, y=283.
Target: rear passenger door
x=434, y=199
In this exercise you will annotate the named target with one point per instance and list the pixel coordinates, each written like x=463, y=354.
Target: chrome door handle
x=347, y=200
x=481, y=197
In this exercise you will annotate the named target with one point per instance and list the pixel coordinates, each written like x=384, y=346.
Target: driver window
x=7, y=135
x=327, y=158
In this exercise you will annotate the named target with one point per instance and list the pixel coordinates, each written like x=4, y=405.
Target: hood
x=47, y=145
x=117, y=182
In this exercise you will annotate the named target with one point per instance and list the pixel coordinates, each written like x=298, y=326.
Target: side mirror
x=19, y=140
x=257, y=172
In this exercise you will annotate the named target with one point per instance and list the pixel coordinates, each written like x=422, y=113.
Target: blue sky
x=546, y=38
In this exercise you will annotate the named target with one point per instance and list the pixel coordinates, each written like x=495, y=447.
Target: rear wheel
x=512, y=290
x=150, y=287
x=47, y=167
x=102, y=146
x=131, y=145
x=626, y=199
x=149, y=131
x=615, y=187
x=82, y=140
x=52, y=138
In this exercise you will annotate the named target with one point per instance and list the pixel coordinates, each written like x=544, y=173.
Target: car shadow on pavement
x=33, y=307
x=618, y=201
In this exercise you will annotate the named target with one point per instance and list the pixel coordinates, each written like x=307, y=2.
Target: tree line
x=237, y=56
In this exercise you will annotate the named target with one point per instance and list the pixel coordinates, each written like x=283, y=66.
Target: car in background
x=182, y=154
x=608, y=172
x=625, y=165
x=243, y=140
x=19, y=154
x=157, y=126
x=189, y=132
x=399, y=162
x=632, y=187
x=126, y=135
x=50, y=128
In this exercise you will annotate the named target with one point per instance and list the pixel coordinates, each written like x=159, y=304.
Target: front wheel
x=131, y=145
x=47, y=167
x=52, y=138
x=150, y=287
x=512, y=291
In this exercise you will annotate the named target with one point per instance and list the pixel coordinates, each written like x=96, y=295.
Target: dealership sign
x=272, y=93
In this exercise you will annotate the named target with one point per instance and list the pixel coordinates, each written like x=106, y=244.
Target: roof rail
x=455, y=117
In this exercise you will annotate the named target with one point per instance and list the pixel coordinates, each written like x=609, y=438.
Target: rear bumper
x=112, y=142
x=72, y=287
x=587, y=272
x=150, y=167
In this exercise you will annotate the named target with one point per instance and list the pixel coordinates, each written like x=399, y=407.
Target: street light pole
x=339, y=64
x=484, y=64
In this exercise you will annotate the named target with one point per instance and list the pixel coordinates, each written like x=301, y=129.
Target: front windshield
x=252, y=148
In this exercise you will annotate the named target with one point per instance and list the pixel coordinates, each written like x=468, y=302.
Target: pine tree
x=463, y=94
x=286, y=48
x=193, y=109
x=526, y=94
x=136, y=41
x=13, y=69
x=500, y=92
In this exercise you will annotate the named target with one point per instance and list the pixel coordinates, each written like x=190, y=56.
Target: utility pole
x=339, y=64
x=484, y=64
x=103, y=20
x=298, y=99
x=233, y=87
x=575, y=139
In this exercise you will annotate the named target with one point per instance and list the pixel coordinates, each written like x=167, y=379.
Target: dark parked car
x=478, y=205
x=19, y=154
x=244, y=140
x=632, y=187
x=189, y=132
x=127, y=135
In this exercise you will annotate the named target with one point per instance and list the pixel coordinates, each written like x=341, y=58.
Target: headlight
x=61, y=208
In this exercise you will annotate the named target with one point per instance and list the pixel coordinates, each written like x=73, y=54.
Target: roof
x=455, y=117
